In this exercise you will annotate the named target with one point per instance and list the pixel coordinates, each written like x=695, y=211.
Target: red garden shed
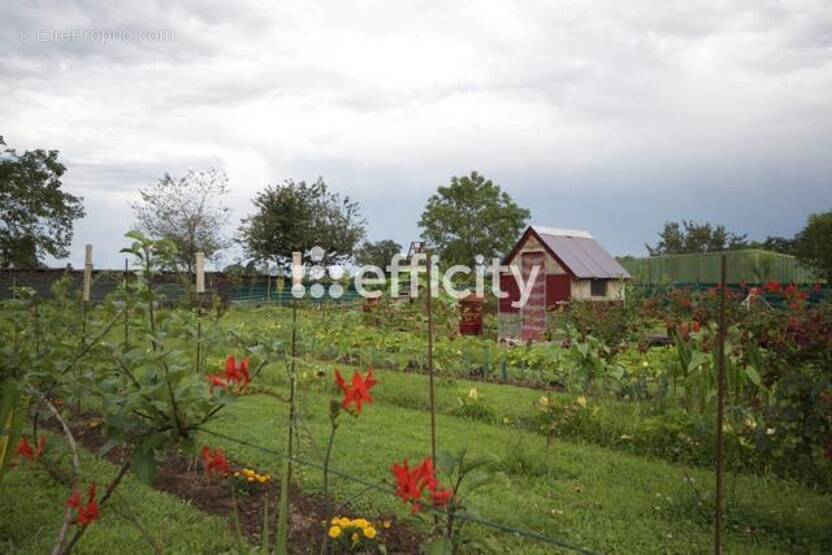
x=570, y=264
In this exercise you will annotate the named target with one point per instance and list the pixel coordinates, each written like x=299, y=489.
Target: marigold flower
x=358, y=392
x=334, y=531
x=369, y=532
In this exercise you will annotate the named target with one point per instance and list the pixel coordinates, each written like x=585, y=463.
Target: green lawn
x=601, y=499
x=32, y=510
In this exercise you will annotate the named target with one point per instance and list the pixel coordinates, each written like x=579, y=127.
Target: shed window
x=598, y=288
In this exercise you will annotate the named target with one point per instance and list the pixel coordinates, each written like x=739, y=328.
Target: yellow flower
x=344, y=522
x=334, y=532
x=355, y=537
x=335, y=520
x=370, y=532
x=387, y=523
x=360, y=522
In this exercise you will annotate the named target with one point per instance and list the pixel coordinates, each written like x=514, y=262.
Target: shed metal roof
x=581, y=254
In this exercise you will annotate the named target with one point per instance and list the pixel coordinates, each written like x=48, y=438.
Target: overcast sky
x=607, y=116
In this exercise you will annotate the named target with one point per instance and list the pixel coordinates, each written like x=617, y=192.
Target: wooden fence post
x=720, y=409
x=87, y=272
x=200, y=273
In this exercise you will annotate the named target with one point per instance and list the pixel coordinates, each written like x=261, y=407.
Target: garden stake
x=720, y=410
x=126, y=308
x=430, y=362
x=200, y=292
x=283, y=518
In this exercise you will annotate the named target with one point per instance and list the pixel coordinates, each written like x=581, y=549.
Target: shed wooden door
x=534, y=311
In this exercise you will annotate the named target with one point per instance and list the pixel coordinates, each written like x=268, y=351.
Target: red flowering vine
x=25, y=450
x=236, y=373
x=85, y=514
x=358, y=392
x=215, y=461
x=412, y=484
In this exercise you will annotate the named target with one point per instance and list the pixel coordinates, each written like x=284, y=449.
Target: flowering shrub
x=351, y=535
x=420, y=486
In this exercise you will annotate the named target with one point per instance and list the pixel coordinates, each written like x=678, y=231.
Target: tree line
x=470, y=215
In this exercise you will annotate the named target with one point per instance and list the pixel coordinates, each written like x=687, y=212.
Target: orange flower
x=85, y=514
x=411, y=485
x=358, y=392
x=215, y=461
x=235, y=373
x=25, y=450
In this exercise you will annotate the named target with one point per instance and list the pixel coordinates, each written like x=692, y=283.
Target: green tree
x=377, y=254
x=36, y=216
x=187, y=211
x=295, y=216
x=471, y=216
x=814, y=245
x=690, y=237
x=776, y=244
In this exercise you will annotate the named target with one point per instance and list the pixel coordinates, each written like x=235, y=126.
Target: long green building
x=753, y=266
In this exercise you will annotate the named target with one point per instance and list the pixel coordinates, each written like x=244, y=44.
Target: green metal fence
x=750, y=266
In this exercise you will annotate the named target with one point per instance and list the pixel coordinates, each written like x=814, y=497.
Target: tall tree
x=377, y=254
x=690, y=237
x=471, y=216
x=782, y=245
x=296, y=216
x=36, y=216
x=814, y=245
x=188, y=211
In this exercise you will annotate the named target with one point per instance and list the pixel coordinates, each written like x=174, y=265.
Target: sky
x=609, y=116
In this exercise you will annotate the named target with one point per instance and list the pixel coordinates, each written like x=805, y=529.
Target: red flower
x=25, y=450
x=407, y=487
x=235, y=373
x=696, y=326
x=358, y=392
x=773, y=286
x=215, y=461
x=411, y=485
x=85, y=514
x=216, y=381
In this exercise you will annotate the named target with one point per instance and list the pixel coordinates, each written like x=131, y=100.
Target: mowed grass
x=32, y=511
x=603, y=500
